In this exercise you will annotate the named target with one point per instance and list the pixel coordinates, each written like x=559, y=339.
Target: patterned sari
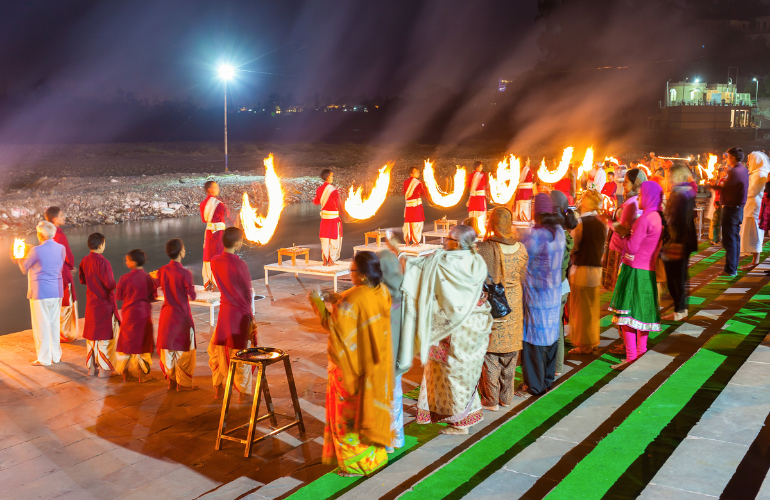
x=360, y=387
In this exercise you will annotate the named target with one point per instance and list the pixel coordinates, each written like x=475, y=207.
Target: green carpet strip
x=615, y=453
x=332, y=484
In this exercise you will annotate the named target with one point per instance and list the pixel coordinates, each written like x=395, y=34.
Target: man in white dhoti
x=43, y=265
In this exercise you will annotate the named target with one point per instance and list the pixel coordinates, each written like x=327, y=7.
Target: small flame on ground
x=588, y=163
x=361, y=209
x=260, y=229
x=503, y=184
x=436, y=196
x=19, y=248
x=552, y=177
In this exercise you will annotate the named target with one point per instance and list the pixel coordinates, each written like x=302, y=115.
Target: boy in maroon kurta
x=102, y=321
x=215, y=214
x=135, y=343
x=176, y=330
x=235, y=321
x=68, y=328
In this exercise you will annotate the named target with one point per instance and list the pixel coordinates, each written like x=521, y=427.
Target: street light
x=226, y=72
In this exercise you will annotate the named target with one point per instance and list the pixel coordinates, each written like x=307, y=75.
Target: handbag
x=496, y=294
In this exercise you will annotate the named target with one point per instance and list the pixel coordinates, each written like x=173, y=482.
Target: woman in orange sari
x=360, y=388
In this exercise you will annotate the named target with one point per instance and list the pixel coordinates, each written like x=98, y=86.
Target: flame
x=608, y=204
x=503, y=184
x=361, y=209
x=612, y=160
x=260, y=229
x=588, y=163
x=19, y=248
x=552, y=177
x=645, y=169
x=439, y=198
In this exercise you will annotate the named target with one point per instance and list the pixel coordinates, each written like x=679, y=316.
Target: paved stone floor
x=686, y=421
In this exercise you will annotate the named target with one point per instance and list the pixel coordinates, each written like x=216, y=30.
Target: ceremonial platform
x=686, y=421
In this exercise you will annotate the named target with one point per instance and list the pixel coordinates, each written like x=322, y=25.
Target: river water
x=298, y=225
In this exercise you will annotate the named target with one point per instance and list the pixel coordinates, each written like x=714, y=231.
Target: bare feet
x=126, y=376
x=622, y=365
x=144, y=377
x=183, y=388
x=454, y=431
x=219, y=391
x=36, y=363
x=172, y=385
x=243, y=397
x=581, y=350
x=618, y=349
x=492, y=408
x=92, y=371
x=106, y=373
x=523, y=392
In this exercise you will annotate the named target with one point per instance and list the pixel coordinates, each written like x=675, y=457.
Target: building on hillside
x=697, y=93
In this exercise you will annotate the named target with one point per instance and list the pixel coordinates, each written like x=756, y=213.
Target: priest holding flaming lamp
x=331, y=226
x=414, y=217
x=477, y=202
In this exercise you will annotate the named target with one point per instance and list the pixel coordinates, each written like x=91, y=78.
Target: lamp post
x=226, y=72
x=756, y=80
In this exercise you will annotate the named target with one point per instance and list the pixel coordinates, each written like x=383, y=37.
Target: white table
x=314, y=268
x=434, y=234
x=210, y=300
x=416, y=250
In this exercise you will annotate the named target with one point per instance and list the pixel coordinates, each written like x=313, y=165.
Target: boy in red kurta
x=102, y=321
x=135, y=343
x=176, y=330
x=235, y=322
x=413, y=213
x=215, y=214
x=477, y=202
x=68, y=328
x=610, y=187
x=331, y=226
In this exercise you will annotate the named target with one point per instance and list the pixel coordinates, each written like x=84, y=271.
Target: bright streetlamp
x=226, y=72
x=757, y=82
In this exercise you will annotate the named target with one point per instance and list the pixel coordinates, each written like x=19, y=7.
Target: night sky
x=169, y=48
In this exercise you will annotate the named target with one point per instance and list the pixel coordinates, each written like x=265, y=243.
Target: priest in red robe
x=523, y=198
x=331, y=226
x=101, y=321
x=235, y=322
x=176, y=329
x=68, y=330
x=477, y=202
x=135, y=342
x=216, y=215
x=414, y=217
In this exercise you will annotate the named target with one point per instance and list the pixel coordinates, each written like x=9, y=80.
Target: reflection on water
x=299, y=224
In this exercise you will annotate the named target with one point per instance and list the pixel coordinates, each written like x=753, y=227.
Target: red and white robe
x=102, y=321
x=523, y=199
x=331, y=226
x=215, y=214
x=414, y=217
x=477, y=203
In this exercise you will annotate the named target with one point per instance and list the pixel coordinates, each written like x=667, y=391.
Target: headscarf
x=591, y=201
x=636, y=176
x=499, y=226
x=650, y=197
x=758, y=161
x=543, y=204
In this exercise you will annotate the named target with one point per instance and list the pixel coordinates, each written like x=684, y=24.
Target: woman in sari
x=585, y=275
x=360, y=387
x=445, y=320
x=568, y=221
x=751, y=234
x=506, y=261
x=635, y=301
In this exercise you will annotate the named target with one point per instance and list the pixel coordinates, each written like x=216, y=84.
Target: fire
x=608, y=205
x=503, y=184
x=260, y=229
x=439, y=198
x=612, y=160
x=588, y=163
x=710, y=170
x=552, y=177
x=361, y=209
x=19, y=248
x=646, y=170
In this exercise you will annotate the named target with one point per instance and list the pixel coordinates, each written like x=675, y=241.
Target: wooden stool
x=260, y=357
x=379, y=234
x=444, y=223
x=293, y=252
